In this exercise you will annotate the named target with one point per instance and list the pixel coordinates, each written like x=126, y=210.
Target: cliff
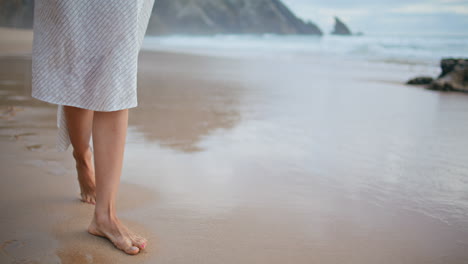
x=195, y=17
x=341, y=28
x=226, y=16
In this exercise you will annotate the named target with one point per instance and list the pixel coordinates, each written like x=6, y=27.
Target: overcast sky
x=387, y=16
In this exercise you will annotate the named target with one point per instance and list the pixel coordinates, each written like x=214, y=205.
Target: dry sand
x=43, y=221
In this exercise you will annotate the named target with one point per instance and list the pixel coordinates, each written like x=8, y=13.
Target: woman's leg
x=109, y=136
x=80, y=123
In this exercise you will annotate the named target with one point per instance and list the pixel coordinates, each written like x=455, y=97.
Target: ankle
x=83, y=157
x=104, y=218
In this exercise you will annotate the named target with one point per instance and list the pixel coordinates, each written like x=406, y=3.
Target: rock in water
x=421, y=80
x=448, y=65
x=226, y=16
x=454, y=76
x=341, y=28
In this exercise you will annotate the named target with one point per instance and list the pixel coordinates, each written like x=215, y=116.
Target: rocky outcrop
x=226, y=16
x=421, y=80
x=454, y=76
x=195, y=17
x=341, y=28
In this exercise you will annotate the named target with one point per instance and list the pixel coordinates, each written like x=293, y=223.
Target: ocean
x=423, y=50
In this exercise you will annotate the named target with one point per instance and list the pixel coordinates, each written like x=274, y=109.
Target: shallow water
x=334, y=160
x=415, y=48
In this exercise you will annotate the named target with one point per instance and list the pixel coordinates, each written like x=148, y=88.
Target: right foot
x=118, y=234
x=85, y=170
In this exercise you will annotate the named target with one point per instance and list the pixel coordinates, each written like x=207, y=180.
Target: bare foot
x=118, y=234
x=85, y=170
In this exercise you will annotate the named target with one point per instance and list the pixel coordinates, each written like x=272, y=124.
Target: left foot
x=118, y=234
x=85, y=170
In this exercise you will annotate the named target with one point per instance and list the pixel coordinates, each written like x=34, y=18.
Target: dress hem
x=82, y=106
x=63, y=139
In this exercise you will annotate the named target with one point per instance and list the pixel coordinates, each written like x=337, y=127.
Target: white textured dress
x=85, y=54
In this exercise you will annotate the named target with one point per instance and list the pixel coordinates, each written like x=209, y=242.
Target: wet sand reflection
x=178, y=111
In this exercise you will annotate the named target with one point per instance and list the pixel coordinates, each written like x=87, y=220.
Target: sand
x=208, y=179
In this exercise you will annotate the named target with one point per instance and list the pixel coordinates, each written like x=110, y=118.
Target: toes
x=139, y=241
x=92, y=200
x=128, y=247
x=88, y=199
x=132, y=250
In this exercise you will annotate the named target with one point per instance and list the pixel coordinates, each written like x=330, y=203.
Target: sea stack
x=341, y=28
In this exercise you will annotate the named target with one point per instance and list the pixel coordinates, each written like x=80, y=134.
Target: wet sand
x=247, y=161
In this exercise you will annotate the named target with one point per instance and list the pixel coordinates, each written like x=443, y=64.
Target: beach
x=247, y=160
